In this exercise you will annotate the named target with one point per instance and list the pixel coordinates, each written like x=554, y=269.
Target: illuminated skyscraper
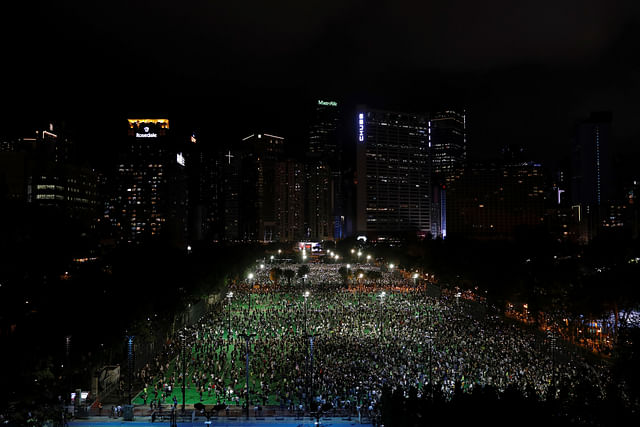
x=151, y=193
x=325, y=156
x=393, y=180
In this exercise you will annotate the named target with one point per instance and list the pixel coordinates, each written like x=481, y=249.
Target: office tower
x=591, y=174
x=490, y=201
x=230, y=196
x=259, y=154
x=289, y=195
x=38, y=170
x=393, y=180
x=324, y=142
x=142, y=202
x=447, y=153
x=318, y=205
x=591, y=164
x=448, y=143
x=325, y=151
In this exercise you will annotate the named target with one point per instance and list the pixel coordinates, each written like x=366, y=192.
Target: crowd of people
x=335, y=340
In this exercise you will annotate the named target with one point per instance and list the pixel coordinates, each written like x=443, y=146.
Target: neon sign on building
x=361, y=127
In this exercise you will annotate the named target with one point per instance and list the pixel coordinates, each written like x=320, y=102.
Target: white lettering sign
x=146, y=135
x=361, y=127
x=328, y=103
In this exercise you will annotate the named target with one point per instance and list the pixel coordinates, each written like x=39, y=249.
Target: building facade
x=393, y=176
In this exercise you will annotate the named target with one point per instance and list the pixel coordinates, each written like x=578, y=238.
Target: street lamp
x=310, y=377
x=271, y=258
x=305, y=295
x=368, y=258
x=250, y=277
x=247, y=337
x=229, y=296
x=391, y=266
x=359, y=255
x=415, y=277
x=382, y=295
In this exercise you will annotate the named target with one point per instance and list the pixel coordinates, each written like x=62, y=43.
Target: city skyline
x=524, y=73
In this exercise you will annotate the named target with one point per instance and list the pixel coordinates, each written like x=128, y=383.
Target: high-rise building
x=591, y=163
x=324, y=141
x=447, y=153
x=492, y=201
x=393, y=178
x=318, y=205
x=325, y=154
x=259, y=154
x=591, y=172
x=38, y=170
x=447, y=143
x=230, y=196
x=151, y=195
x=289, y=195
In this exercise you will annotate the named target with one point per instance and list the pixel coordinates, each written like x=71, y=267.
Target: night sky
x=524, y=70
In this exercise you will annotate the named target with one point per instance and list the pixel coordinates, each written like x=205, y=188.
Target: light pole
x=183, y=340
x=67, y=351
x=247, y=337
x=368, y=258
x=305, y=295
x=382, y=295
x=552, y=343
x=415, y=277
x=310, y=375
x=250, y=277
x=130, y=355
x=229, y=296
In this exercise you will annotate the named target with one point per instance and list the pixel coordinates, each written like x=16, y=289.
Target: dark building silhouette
x=447, y=154
x=39, y=170
x=496, y=201
x=325, y=154
x=591, y=172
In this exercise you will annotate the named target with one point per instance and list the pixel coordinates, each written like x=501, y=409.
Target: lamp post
x=130, y=355
x=368, y=258
x=250, y=277
x=183, y=340
x=67, y=351
x=247, y=338
x=305, y=295
x=229, y=296
x=382, y=295
x=310, y=372
x=552, y=344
